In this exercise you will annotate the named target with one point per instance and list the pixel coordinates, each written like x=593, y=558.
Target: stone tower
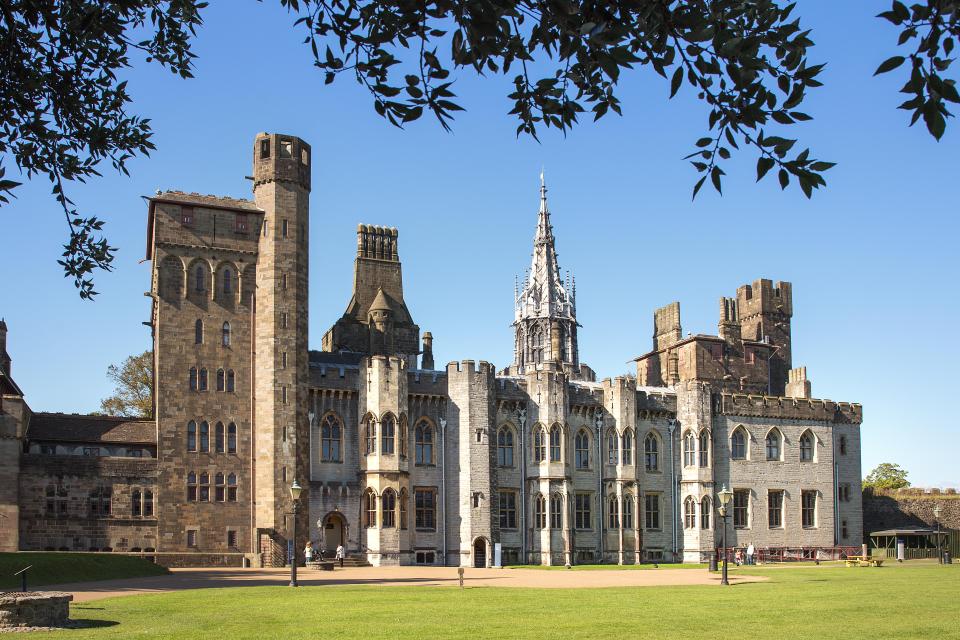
x=545, y=319
x=765, y=309
x=281, y=188
x=4, y=356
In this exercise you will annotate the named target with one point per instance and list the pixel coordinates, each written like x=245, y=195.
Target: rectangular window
x=186, y=216
x=808, y=509
x=844, y=532
x=283, y=228
x=286, y=148
x=283, y=319
x=426, y=557
x=582, y=505
x=283, y=396
x=283, y=360
x=241, y=224
x=508, y=509
x=192, y=538
x=716, y=350
x=651, y=511
x=775, y=509
x=426, y=508
x=741, y=508
x=232, y=539
x=264, y=149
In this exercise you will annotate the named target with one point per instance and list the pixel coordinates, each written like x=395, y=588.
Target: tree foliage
x=133, y=395
x=65, y=110
x=886, y=475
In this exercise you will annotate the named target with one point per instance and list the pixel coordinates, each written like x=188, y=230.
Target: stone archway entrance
x=480, y=553
x=334, y=533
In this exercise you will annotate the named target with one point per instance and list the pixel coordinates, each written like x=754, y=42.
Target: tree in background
x=886, y=475
x=64, y=111
x=133, y=395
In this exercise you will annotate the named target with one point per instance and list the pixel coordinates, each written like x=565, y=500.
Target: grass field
x=606, y=567
x=911, y=601
x=53, y=568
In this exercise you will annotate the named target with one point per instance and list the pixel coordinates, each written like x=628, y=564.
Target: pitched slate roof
x=204, y=200
x=73, y=427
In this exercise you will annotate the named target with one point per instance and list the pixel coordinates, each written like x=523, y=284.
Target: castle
x=405, y=463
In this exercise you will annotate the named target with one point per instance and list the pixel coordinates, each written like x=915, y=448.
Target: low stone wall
x=31, y=609
x=189, y=560
x=909, y=509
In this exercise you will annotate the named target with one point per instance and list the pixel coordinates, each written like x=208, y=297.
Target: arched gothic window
x=738, y=444
x=423, y=442
x=403, y=508
x=369, y=509
x=627, y=511
x=202, y=384
x=220, y=488
x=232, y=438
x=231, y=381
x=199, y=282
x=612, y=446
x=627, y=450
x=505, y=447
x=613, y=512
x=219, y=438
x=705, y=512
x=843, y=445
x=331, y=438
x=539, y=512
x=689, y=449
x=370, y=429
x=403, y=437
x=204, y=487
x=204, y=437
x=226, y=334
x=806, y=447
x=136, y=503
x=221, y=380
x=191, y=436
x=555, y=440
x=651, y=452
x=387, y=434
x=581, y=446
x=704, y=448
x=198, y=331
x=193, y=378
x=232, y=487
x=227, y=281
x=539, y=444
x=388, y=504
x=556, y=511
x=773, y=445
x=689, y=513
x=537, y=345
x=191, y=487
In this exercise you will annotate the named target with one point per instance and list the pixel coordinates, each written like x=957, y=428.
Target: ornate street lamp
x=936, y=516
x=724, y=498
x=295, y=490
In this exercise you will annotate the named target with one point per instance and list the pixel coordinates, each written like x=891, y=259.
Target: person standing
x=308, y=552
x=340, y=554
x=750, y=551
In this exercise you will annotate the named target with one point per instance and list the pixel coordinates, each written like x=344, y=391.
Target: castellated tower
x=765, y=309
x=281, y=188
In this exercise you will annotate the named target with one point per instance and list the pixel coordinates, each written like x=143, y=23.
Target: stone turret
x=426, y=359
x=4, y=356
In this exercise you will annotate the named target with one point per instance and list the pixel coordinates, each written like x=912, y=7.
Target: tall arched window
x=191, y=487
x=226, y=334
x=388, y=428
x=773, y=445
x=627, y=450
x=198, y=331
x=555, y=439
x=556, y=511
x=388, y=503
x=505, y=447
x=232, y=438
x=627, y=511
x=613, y=512
x=204, y=437
x=370, y=433
x=704, y=448
x=220, y=488
x=221, y=380
x=204, y=487
x=199, y=282
x=331, y=437
x=705, y=512
x=581, y=446
x=738, y=444
x=843, y=445
x=202, y=384
x=806, y=447
x=537, y=345
x=539, y=444
x=689, y=513
x=136, y=503
x=369, y=508
x=191, y=436
x=689, y=449
x=148, y=504
x=539, y=512
x=232, y=487
x=231, y=381
x=403, y=438
x=651, y=452
x=227, y=281
x=193, y=378
x=612, y=446
x=403, y=508
x=423, y=442
x=219, y=438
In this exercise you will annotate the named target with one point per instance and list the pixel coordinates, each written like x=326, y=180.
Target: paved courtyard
x=392, y=576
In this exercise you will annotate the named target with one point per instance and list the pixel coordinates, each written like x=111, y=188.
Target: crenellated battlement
x=765, y=296
x=740, y=404
x=377, y=243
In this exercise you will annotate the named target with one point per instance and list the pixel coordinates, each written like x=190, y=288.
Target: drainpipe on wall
x=522, y=420
x=671, y=427
x=598, y=423
x=836, y=500
x=443, y=481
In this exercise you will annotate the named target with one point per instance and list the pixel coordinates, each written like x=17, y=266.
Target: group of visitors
x=308, y=552
x=739, y=559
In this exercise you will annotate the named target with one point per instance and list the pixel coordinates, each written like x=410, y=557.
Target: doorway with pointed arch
x=480, y=551
x=334, y=533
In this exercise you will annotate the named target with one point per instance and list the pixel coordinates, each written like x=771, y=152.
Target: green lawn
x=53, y=568
x=909, y=601
x=607, y=567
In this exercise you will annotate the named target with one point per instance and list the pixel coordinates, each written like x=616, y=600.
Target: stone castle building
x=402, y=461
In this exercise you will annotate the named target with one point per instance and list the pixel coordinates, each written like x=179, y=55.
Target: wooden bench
x=864, y=561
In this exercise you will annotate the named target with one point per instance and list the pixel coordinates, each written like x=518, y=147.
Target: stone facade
x=404, y=463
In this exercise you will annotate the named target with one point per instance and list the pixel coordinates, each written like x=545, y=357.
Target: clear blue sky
x=873, y=258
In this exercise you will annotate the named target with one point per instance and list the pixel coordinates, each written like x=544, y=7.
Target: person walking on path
x=340, y=554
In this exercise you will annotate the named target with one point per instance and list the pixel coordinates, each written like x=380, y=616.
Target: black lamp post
x=724, y=496
x=295, y=490
x=936, y=516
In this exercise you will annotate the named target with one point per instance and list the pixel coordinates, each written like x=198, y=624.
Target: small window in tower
x=283, y=281
x=283, y=320
x=242, y=225
x=479, y=435
x=304, y=158
x=283, y=229
x=264, y=148
x=283, y=474
x=283, y=360
x=283, y=396
x=286, y=148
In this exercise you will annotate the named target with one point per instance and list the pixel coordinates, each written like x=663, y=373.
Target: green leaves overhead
x=930, y=29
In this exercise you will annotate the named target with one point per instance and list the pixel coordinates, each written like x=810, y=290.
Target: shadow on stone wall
x=908, y=509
